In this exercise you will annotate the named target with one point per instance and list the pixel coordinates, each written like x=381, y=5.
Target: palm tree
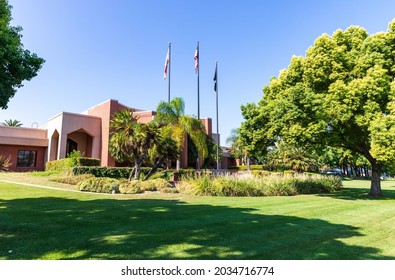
x=131, y=141
x=179, y=125
x=10, y=122
x=165, y=150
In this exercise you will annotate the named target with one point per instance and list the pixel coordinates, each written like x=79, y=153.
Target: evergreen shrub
x=131, y=187
x=106, y=171
x=58, y=165
x=67, y=163
x=99, y=185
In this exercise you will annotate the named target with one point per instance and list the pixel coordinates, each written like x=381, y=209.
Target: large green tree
x=16, y=63
x=340, y=94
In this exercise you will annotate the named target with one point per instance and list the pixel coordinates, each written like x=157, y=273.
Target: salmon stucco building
x=87, y=132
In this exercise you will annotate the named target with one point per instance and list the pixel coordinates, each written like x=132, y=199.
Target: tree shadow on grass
x=40, y=228
x=359, y=194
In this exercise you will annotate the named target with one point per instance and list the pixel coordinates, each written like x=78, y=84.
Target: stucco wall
x=23, y=136
x=12, y=150
x=64, y=125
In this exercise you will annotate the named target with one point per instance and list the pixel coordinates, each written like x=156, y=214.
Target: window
x=26, y=158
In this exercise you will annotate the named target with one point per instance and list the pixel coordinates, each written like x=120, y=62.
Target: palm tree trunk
x=154, y=168
x=137, y=164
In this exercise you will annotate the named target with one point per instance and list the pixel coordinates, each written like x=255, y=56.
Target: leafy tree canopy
x=340, y=94
x=16, y=63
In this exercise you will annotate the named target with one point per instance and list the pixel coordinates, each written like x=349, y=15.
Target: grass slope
x=51, y=224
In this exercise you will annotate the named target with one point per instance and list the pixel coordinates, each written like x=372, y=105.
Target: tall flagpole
x=216, y=93
x=198, y=84
x=169, y=72
x=197, y=70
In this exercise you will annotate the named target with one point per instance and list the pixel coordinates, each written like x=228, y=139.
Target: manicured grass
x=40, y=223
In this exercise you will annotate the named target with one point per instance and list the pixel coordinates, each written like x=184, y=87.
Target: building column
x=62, y=145
x=96, y=147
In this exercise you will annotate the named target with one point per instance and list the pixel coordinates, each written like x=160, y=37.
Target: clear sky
x=97, y=50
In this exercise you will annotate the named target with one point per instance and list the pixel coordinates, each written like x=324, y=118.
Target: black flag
x=215, y=78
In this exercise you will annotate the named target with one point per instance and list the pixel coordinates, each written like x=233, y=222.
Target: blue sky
x=101, y=49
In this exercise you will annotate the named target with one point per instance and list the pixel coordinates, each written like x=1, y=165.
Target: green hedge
x=66, y=163
x=99, y=185
x=84, y=161
x=107, y=185
x=58, y=165
x=106, y=171
x=131, y=187
x=244, y=167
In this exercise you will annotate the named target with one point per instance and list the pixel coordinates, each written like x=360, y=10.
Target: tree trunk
x=137, y=164
x=131, y=174
x=154, y=168
x=375, y=184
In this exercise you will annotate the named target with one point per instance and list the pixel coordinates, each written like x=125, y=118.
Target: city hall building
x=87, y=132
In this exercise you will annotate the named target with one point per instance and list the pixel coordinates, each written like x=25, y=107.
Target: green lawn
x=40, y=223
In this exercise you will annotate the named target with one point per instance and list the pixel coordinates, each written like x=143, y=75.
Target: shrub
x=58, y=165
x=165, y=174
x=169, y=190
x=67, y=163
x=245, y=167
x=99, y=185
x=154, y=184
x=233, y=186
x=110, y=172
x=131, y=187
x=318, y=184
x=274, y=185
x=202, y=186
x=260, y=173
x=279, y=186
x=136, y=186
x=85, y=161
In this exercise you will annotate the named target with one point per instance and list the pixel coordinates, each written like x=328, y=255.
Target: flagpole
x=197, y=68
x=198, y=84
x=169, y=71
x=216, y=93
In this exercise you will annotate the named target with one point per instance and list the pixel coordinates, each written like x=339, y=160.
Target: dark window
x=71, y=146
x=26, y=158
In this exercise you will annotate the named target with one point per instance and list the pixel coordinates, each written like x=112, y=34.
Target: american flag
x=167, y=61
x=196, y=58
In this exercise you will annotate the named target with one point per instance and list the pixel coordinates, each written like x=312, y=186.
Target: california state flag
x=166, y=64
